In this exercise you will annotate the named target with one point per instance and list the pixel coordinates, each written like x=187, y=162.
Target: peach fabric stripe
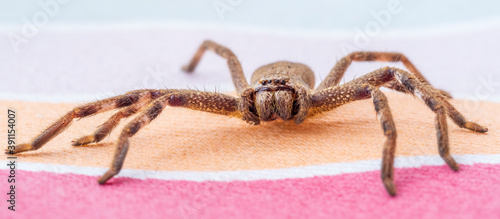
x=181, y=139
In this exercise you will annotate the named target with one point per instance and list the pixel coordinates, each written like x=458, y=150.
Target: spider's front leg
x=86, y=110
x=425, y=92
x=432, y=99
x=196, y=100
x=108, y=126
x=331, y=98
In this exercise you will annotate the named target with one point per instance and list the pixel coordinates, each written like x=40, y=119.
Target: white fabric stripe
x=315, y=33
x=273, y=174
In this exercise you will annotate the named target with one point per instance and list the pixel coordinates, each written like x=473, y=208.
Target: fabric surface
x=189, y=164
x=195, y=164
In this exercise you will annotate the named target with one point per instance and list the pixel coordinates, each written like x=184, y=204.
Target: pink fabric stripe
x=427, y=192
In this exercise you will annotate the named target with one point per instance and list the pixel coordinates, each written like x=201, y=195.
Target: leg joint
x=176, y=100
x=86, y=110
x=434, y=105
x=132, y=128
x=370, y=91
x=128, y=99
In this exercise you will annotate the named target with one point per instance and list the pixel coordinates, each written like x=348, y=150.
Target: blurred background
x=75, y=51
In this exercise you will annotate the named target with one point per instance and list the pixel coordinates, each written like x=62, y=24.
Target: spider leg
x=196, y=100
x=341, y=66
x=432, y=99
x=106, y=128
x=234, y=65
x=425, y=92
x=334, y=97
x=81, y=112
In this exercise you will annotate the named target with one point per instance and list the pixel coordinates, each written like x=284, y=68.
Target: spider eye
x=264, y=82
x=270, y=81
x=283, y=82
x=277, y=81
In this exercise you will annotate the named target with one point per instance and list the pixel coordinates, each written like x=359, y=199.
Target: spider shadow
x=101, y=144
x=63, y=152
x=463, y=131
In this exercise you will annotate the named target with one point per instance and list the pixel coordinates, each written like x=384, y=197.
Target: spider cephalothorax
x=276, y=96
x=278, y=91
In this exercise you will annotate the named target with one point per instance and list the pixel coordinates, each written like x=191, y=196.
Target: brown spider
x=281, y=90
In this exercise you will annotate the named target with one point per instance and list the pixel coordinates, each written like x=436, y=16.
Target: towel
x=190, y=164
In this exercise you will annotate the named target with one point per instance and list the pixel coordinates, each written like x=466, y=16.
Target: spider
x=278, y=91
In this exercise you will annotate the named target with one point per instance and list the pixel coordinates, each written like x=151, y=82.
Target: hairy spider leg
x=425, y=92
x=86, y=110
x=232, y=61
x=196, y=100
x=432, y=99
x=108, y=126
x=331, y=98
x=341, y=66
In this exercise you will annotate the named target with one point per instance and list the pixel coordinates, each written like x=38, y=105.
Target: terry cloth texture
x=181, y=141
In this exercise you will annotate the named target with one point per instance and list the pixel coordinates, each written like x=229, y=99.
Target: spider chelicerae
x=278, y=91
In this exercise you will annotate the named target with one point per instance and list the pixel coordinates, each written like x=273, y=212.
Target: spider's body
x=276, y=87
x=278, y=91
